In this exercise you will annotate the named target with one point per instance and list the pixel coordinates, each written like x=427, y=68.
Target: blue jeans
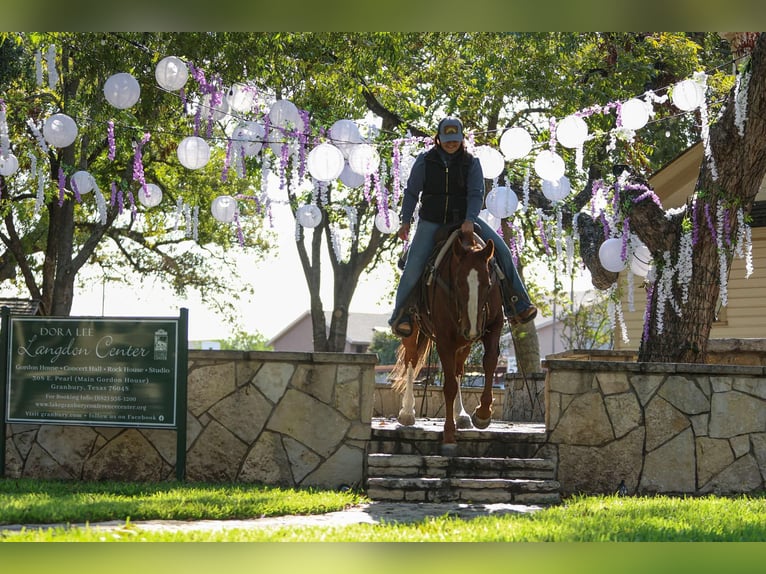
x=422, y=246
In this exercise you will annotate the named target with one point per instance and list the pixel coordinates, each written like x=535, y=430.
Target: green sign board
x=93, y=371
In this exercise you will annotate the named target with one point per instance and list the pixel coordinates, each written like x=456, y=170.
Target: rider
x=449, y=183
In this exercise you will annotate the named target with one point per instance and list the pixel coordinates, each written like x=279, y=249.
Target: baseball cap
x=450, y=130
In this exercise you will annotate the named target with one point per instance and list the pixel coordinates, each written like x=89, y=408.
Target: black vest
x=445, y=189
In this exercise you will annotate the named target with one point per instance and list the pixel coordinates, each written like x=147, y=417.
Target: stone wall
x=662, y=428
x=289, y=419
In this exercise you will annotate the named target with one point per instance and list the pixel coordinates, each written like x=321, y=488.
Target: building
x=298, y=335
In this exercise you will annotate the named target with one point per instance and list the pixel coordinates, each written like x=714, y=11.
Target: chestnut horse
x=460, y=303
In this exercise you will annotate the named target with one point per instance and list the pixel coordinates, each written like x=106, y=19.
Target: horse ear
x=489, y=250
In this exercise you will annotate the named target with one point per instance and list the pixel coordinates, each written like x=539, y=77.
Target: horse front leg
x=462, y=419
x=449, y=442
x=482, y=414
x=406, y=416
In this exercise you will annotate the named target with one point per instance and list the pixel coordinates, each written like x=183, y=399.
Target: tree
x=244, y=341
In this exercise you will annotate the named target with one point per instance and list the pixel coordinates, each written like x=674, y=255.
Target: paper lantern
x=387, y=222
x=491, y=220
x=549, y=165
x=215, y=113
x=150, y=196
x=249, y=136
x=241, y=98
x=610, y=255
x=364, y=159
x=515, y=143
x=641, y=260
x=344, y=134
x=122, y=90
x=193, y=152
x=634, y=114
x=502, y=202
x=325, y=162
x=171, y=73
x=224, y=208
x=8, y=164
x=572, y=131
x=60, y=130
x=350, y=178
x=687, y=95
x=83, y=181
x=309, y=215
x=557, y=190
x=285, y=114
x=491, y=160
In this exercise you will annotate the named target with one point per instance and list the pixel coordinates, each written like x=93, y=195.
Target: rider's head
x=450, y=134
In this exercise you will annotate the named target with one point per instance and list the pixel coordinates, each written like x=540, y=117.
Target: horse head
x=472, y=285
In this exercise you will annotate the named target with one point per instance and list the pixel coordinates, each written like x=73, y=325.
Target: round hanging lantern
x=491, y=220
x=250, y=136
x=610, y=255
x=171, y=73
x=502, y=202
x=549, y=165
x=60, y=130
x=387, y=225
x=350, y=178
x=224, y=208
x=83, y=181
x=241, y=98
x=687, y=95
x=216, y=113
x=344, y=134
x=572, y=131
x=641, y=261
x=634, y=114
x=491, y=160
x=150, y=196
x=515, y=143
x=193, y=152
x=325, y=162
x=557, y=190
x=122, y=90
x=8, y=164
x=309, y=215
x=364, y=159
x=285, y=114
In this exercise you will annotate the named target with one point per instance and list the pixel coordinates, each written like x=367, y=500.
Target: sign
x=93, y=371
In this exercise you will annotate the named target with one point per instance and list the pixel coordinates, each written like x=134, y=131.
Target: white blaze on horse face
x=473, y=302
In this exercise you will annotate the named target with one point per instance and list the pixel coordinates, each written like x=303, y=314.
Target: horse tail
x=398, y=376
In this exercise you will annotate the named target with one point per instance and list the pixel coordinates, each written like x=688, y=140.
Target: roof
x=21, y=306
x=359, y=330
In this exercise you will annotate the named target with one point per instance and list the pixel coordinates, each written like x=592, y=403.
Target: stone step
x=414, y=466
x=469, y=490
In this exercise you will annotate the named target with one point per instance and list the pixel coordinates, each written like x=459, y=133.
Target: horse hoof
x=463, y=422
x=449, y=449
x=479, y=422
x=406, y=419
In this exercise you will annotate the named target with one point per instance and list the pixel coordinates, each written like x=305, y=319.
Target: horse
x=459, y=303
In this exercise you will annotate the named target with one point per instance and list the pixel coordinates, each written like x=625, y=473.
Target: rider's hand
x=404, y=231
x=466, y=230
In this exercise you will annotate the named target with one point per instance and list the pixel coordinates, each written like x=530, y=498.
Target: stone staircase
x=503, y=463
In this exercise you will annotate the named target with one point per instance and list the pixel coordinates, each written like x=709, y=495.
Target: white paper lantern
x=634, y=114
x=610, y=255
x=391, y=225
x=309, y=215
x=224, y=208
x=122, y=90
x=211, y=112
x=572, y=131
x=515, y=143
x=285, y=114
x=8, y=165
x=687, y=95
x=83, y=181
x=249, y=136
x=557, y=190
x=502, y=202
x=325, y=162
x=491, y=220
x=151, y=196
x=549, y=165
x=344, y=134
x=171, y=73
x=241, y=98
x=60, y=130
x=364, y=159
x=491, y=160
x=641, y=260
x=350, y=178
x=193, y=152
